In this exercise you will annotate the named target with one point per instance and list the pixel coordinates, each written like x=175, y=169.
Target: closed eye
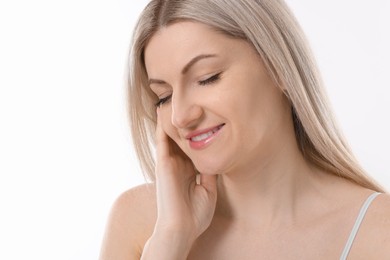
x=161, y=101
x=205, y=82
x=210, y=80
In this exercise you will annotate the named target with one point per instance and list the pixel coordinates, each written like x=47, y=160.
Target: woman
x=249, y=161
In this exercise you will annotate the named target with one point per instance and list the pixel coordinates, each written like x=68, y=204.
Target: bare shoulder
x=378, y=218
x=374, y=234
x=130, y=224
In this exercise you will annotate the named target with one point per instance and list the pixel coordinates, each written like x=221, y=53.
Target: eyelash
x=210, y=80
x=161, y=101
x=205, y=82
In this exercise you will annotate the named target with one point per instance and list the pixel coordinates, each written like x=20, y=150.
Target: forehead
x=175, y=44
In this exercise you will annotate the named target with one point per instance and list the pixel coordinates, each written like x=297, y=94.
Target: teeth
x=204, y=136
x=201, y=137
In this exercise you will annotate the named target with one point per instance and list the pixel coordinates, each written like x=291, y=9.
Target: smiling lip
x=199, y=139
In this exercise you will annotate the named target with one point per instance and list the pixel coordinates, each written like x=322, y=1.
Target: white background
x=65, y=148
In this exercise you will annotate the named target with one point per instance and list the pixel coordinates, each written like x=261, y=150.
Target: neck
x=268, y=189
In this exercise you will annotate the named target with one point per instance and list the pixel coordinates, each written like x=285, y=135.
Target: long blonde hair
x=273, y=31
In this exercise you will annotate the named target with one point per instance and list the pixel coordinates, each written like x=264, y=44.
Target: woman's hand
x=185, y=208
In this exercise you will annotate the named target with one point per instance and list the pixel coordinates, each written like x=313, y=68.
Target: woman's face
x=217, y=102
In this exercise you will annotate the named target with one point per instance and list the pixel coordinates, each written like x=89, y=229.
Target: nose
x=185, y=112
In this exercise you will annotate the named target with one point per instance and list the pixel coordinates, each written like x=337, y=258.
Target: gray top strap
x=356, y=227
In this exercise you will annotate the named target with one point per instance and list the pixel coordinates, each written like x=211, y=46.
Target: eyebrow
x=186, y=68
x=195, y=60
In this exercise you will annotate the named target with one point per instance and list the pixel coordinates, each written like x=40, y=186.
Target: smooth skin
x=258, y=198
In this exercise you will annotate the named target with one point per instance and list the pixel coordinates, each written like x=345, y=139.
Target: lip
x=200, y=144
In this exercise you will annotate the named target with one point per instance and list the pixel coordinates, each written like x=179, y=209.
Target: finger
x=165, y=145
x=170, y=155
x=162, y=141
x=209, y=182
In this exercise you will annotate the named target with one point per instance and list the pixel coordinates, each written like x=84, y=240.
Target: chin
x=208, y=167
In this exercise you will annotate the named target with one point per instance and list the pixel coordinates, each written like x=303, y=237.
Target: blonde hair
x=273, y=31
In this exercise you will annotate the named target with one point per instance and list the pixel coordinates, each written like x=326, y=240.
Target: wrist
x=168, y=244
